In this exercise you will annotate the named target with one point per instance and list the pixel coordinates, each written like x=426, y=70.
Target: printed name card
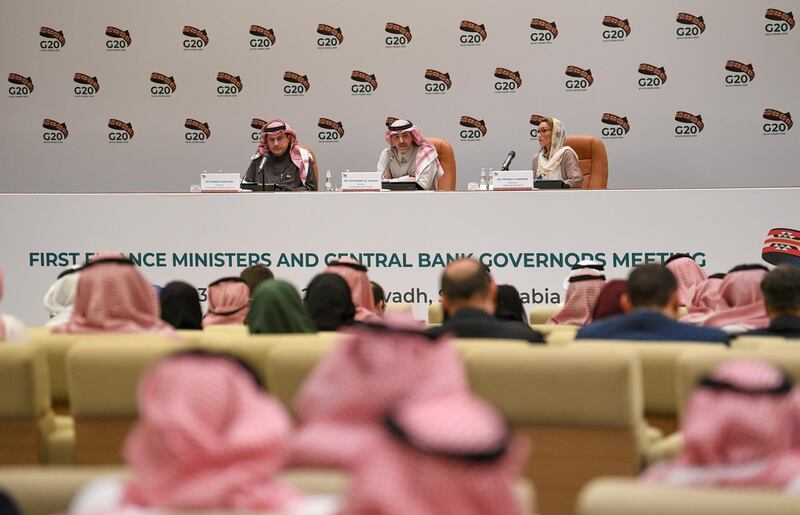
x=361, y=181
x=512, y=180
x=219, y=182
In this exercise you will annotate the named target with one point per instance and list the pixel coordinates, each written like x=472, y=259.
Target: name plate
x=361, y=181
x=512, y=180
x=219, y=182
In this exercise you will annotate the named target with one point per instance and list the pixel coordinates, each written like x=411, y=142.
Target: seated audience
x=378, y=297
x=781, y=291
x=113, y=296
x=738, y=430
x=342, y=403
x=442, y=454
x=208, y=438
x=740, y=307
x=609, y=300
x=469, y=297
x=509, y=305
x=688, y=274
x=277, y=308
x=60, y=297
x=583, y=286
x=329, y=302
x=11, y=329
x=254, y=275
x=651, y=306
x=409, y=155
x=180, y=306
x=360, y=288
x=228, y=302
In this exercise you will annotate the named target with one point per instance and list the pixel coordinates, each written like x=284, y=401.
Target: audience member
x=113, y=296
x=741, y=306
x=329, y=302
x=738, y=430
x=277, y=308
x=688, y=274
x=228, y=302
x=378, y=297
x=651, y=306
x=609, y=299
x=509, y=305
x=342, y=403
x=208, y=438
x=705, y=300
x=180, y=306
x=254, y=275
x=449, y=453
x=781, y=291
x=360, y=288
x=469, y=298
x=60, y=297
x=583, y=286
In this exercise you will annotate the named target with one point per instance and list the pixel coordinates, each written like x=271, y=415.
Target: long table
x=529, y=239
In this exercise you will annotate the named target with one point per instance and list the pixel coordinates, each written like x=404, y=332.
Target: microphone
x=510, y=157
x=263, y=163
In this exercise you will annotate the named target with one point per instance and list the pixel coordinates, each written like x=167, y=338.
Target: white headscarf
x=59, y=299
x=546, y=166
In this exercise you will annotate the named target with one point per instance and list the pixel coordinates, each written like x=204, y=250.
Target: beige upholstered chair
x=447, y=158
x=592, y=159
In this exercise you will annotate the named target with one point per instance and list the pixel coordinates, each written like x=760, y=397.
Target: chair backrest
x=541, y=314
x=316, y=164
x=436, y=313
x=582, y=411
x=659, y=372
x=592, y=159
x=25, y=413
x=624, y=496
x=447, y=158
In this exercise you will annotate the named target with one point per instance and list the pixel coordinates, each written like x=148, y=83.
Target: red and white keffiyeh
x=294, y=149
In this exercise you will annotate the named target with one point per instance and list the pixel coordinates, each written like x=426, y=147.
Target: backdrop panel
x=143, y=96
x=528, y=239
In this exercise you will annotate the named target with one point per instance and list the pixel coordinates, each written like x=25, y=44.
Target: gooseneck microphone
x=510, y=157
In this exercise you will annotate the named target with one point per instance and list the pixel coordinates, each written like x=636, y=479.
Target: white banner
x=529, y=239
x=143, y=96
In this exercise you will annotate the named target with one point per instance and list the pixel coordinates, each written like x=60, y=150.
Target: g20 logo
x=689, y=125
x=470, y=134
x=53, y=137
x=53, y=40
x=576, y=84
x=472, y=129
x=778, y=122
x=160, y=91
x=399, y=35
x=264, y=38
x=198, y=131
x=741, y=74
x=294, y=89
x=21, y=86
x=118, y=39
x=780, y=22
x=687, y=130
x=196, y=39
x=616, y=29
x=331, y=130
x=328, y=136
x=297, y=85
x=687, y=32
x=612, y=132
x=649, y=82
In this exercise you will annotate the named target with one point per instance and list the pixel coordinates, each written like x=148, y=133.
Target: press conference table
x=528, y=238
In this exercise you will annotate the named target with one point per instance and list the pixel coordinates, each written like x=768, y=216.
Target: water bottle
x=483, y=184
x=490, y=179
x=328, y=186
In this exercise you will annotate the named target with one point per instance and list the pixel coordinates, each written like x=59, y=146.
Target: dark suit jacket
x=648, y=324
x=476, y=323
x=787, y=326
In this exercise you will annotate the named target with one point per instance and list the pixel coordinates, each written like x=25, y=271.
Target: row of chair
x=583, y=404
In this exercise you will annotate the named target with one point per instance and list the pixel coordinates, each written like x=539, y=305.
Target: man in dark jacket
x=651, y=306
x=469, y=298
x=781, y=291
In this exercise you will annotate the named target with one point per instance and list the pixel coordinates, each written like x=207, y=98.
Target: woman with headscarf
x=608, y=300
x=583, y=286
x=555, y=160
x=208, y=438
x=11, y=329
x=688, y=274
x=113, y=296
x=509, y=304
x=409, y=155
x=228, y=302
x=448, y=453
x=180, y=306
x=739, y=429
x=60, y=297
x=281, y=161
x=741, y=304
x=360, y=288
x=329, y=302
x=277, y=309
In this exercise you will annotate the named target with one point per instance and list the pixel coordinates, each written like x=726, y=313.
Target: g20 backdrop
x=143, y=96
